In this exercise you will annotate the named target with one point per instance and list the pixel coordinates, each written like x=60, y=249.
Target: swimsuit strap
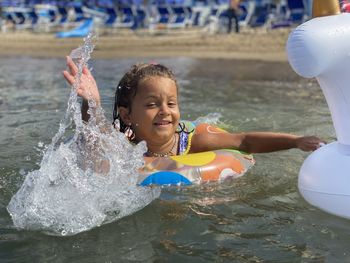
x=185, y=137
x=185, y=143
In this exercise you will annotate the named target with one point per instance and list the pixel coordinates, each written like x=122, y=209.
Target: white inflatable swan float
x=320, y=48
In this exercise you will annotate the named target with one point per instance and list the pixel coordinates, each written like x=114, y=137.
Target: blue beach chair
x=297, y=11
x=111, y=16
x=127, y=17
x=141, y=17
x=180, y=17
x=109, y=9
x=294, y=15
x=79, y=14
x=63, y=13
x=18, y=15
x=164, y=14
x=262, y=15
x=200, y=13
x=48, y=15
x=246, y=12
x=217, y=17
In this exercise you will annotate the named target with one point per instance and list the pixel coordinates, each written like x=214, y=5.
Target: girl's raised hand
x=87, y=89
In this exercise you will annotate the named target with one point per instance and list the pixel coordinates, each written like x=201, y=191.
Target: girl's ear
x=124, y=115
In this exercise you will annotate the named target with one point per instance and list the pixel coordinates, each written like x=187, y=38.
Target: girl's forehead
x=157, y=83
x=153, y=80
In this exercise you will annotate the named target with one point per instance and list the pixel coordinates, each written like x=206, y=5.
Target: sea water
x=259, y=217
x=87, y=177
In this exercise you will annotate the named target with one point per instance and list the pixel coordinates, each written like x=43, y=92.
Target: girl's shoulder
x=205, y=128
x=196, y=137
x=198, y=128
x=207, y=137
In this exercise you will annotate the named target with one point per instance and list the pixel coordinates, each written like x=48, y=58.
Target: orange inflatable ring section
x=195, y=168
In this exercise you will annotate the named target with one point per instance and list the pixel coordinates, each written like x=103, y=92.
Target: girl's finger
x=68, y=77
x=86, y=71
x=71, y=65
x=80, y=92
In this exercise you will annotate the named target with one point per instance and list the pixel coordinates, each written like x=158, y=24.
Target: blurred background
x=62, y=15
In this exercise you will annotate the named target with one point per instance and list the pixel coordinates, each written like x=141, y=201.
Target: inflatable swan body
x=320, y=48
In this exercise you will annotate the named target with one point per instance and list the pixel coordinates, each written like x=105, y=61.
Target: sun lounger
x=48, y=16
x=294, y=15
x=141, y=17
x=180, y=17
x=126, y=18
x=246, y=12
x=262, y=15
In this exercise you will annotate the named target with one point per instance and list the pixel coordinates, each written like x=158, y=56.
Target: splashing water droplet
x=86, y=179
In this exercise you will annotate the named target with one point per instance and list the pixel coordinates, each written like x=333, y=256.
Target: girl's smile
x=163, y=123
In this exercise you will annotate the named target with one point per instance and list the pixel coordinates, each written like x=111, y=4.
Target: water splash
x=211, y=118
x=86, y=179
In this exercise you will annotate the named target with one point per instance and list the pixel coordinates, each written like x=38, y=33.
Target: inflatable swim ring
x=195, y=168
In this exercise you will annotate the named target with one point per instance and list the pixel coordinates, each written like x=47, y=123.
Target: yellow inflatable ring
x=195, y=168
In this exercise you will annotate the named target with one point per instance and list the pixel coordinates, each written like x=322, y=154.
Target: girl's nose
x=164, y=109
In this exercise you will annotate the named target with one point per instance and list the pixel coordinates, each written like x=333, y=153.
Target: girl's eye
x=151, y=105
x=172, y=104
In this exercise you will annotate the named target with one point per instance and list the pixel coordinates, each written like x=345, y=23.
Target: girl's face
x=155, y=112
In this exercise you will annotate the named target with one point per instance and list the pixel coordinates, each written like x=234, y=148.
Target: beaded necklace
x=153, y=154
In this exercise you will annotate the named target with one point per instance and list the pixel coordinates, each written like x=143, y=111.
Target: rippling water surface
x=259, y=217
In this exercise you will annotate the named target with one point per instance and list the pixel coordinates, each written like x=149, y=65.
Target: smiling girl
x=146, y=105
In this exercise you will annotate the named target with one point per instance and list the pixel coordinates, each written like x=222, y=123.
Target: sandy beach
x=252, y=54
x=250, y=45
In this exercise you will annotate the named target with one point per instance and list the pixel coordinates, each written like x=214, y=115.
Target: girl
x=146, y=105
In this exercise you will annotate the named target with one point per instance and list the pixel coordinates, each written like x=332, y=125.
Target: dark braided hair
x=128, y=85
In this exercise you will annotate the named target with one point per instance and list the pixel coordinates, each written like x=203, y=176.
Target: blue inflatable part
x=165, y=178
x=81, y=31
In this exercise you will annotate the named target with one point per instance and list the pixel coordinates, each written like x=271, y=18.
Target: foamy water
x=85, y=179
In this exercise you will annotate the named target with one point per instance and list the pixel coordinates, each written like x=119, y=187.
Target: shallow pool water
x=259, y=217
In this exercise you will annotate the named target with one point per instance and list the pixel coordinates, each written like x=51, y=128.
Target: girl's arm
x=90, y=146
x=87, y=89
x=251, y=142
x=262, y=142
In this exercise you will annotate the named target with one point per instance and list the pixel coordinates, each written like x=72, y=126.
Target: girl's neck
x=165, y=150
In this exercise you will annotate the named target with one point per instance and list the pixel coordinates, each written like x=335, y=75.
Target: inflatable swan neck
x=325, y=8
x=320, y=48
